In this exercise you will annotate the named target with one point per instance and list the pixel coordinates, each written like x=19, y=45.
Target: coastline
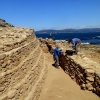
x=87, y=38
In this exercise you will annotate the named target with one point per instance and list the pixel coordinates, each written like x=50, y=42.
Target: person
x=56, y=55
x=50, y=36
x=76, y=42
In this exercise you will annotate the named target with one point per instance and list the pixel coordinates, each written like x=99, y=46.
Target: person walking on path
x=56, y=55
x=76, y=42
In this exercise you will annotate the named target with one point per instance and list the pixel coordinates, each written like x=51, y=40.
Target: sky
x=51, y=14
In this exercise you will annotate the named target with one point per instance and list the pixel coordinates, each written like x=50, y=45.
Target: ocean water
x=87, y=38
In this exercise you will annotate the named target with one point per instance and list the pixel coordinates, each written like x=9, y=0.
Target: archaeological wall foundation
x=81, y=69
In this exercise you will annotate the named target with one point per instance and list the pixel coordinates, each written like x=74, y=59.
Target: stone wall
x=86, y=72
x=81, y=69
x=22, y=64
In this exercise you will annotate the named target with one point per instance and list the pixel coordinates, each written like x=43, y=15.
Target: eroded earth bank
x=26, y=71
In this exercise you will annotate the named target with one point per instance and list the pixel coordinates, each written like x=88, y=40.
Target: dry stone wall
x=22, y=64
x=86, y=72
x=82, y=70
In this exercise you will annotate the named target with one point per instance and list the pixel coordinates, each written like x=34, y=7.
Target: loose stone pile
x=22, y=64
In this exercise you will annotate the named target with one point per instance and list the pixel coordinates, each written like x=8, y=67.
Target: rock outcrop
x=3, y=23
x=22, y=64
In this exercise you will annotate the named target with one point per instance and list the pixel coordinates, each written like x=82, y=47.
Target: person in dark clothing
x=56, y=56
x=76, y=42
x=50, y=35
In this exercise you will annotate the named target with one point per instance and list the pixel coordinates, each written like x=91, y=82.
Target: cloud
x=95, y=26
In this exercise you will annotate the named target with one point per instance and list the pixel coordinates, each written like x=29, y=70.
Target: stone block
x=97, y=74
x=2, y=56
x=83, y=87
x=2, y=89
x=90, y=79
x=11, y=94
x=89, y=72
x=89, y=87
x=4, y=65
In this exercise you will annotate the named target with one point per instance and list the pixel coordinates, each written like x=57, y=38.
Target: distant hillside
x=85, y=30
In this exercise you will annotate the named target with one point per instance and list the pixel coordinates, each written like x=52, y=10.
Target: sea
x=87, y=38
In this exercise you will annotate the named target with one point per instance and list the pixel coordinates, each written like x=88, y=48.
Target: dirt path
x=59, y=86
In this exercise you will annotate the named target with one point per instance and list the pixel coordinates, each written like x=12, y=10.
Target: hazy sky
x=51, y=14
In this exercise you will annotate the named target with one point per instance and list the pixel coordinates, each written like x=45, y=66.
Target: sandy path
x=59, y=86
